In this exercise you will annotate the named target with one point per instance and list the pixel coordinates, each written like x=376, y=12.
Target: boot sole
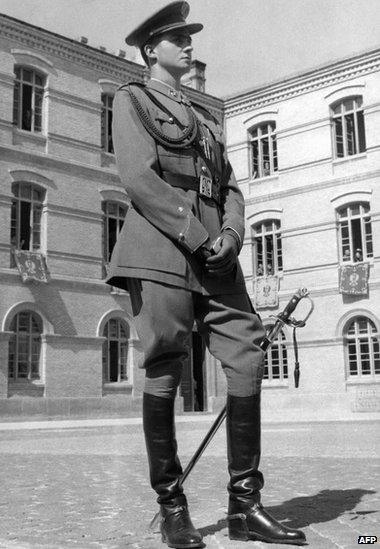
x=252, y=536
x=182, y=545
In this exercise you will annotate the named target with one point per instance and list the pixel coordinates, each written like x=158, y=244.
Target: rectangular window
x=267, y=248
x=28, y=98
x=348, y=125
x=264, y=150
x=355, y=232
x=106, y=124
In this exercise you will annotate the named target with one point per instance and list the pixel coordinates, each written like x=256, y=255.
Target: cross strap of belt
x=181, y=142
x=190, y=182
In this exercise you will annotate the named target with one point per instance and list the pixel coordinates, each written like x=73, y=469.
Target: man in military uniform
x=177, y=256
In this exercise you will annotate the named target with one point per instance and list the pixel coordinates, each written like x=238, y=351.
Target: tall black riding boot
x=165, y=471
x=247, y=519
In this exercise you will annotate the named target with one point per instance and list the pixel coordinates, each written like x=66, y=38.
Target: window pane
x=337, y=109
x=255, y=159
x=361, y=131
x=350, y=134
x=39, y=80
x=348, y=105
x=25, y=225
x=26, y=107
x=27, y=75
x=339, y=137
x=16, y=103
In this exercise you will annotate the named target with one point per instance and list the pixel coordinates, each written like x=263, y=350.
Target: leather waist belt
x=203, y=185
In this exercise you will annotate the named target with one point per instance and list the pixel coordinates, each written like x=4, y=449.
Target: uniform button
x=180, y=209
x=204, y=169
x=171, y=120
x=181, y=237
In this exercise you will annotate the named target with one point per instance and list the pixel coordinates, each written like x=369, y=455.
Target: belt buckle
x=205, y=186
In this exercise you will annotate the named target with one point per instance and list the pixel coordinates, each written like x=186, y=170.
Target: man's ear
x=149, y=52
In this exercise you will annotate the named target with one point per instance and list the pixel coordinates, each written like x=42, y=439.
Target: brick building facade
x=68, y=346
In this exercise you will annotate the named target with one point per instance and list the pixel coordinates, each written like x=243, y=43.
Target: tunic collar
x=167, y=90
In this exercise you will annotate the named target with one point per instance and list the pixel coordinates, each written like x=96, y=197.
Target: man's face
x=173, y=51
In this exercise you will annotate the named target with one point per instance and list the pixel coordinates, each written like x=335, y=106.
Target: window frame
x=123, y=374
x=359, y=338
x=15, y=342
x=356, y=111
x=276, y=233
x=271, y=135
x=36, y=206
x=106, y=231
x=106, y=122
x=19, y=98
x=366, y=233
x=281, y=344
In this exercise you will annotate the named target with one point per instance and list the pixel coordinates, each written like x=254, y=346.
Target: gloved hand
x=226, y=251
x=203, y=253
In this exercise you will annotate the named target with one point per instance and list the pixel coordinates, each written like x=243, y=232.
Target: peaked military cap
x=171, y=17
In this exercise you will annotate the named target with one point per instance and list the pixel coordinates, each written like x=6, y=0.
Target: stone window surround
x=340, y=332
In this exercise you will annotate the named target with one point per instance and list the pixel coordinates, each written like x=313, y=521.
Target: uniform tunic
x=165, y=224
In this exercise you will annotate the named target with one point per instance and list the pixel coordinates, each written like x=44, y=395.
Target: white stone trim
x=350, y=315
x=260, y=117
x=344, y=92
x=264, y=215
x=357, y=195
x=21, y=306
x=108, y=86
x=114, y=195
x=28, y=58
x=120, y=314
x=28, y=176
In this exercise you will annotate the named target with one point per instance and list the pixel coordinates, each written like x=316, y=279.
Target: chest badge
x=205, y=186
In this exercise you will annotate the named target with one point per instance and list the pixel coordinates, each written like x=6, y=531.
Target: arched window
x=25, y=347
x=106, y=125
x=267, y=250
x=363, y=351
x=28, y=99
x=276, y=359
x=348, y=127
x=355, y=232
x=114, y=215
x=115, y=351
x=26, y=216
x=263, y=144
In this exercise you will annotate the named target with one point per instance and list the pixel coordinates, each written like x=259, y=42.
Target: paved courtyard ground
x=83, y=484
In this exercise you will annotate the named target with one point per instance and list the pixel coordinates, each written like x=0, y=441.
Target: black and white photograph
x=189, y=274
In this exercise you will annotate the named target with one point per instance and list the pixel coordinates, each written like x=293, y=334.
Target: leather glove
x=226, y=251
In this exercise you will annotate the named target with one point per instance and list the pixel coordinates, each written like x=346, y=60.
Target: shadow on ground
x=300, y=512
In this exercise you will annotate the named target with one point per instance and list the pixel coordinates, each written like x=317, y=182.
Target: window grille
x=276, y=359
x=267, y=248
x=106, y=126
x=264, y=150
x=28, y=99
x=115, y=351
x=363, y=351
x=348, y=126
x=355, y=232
x=25, y=347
